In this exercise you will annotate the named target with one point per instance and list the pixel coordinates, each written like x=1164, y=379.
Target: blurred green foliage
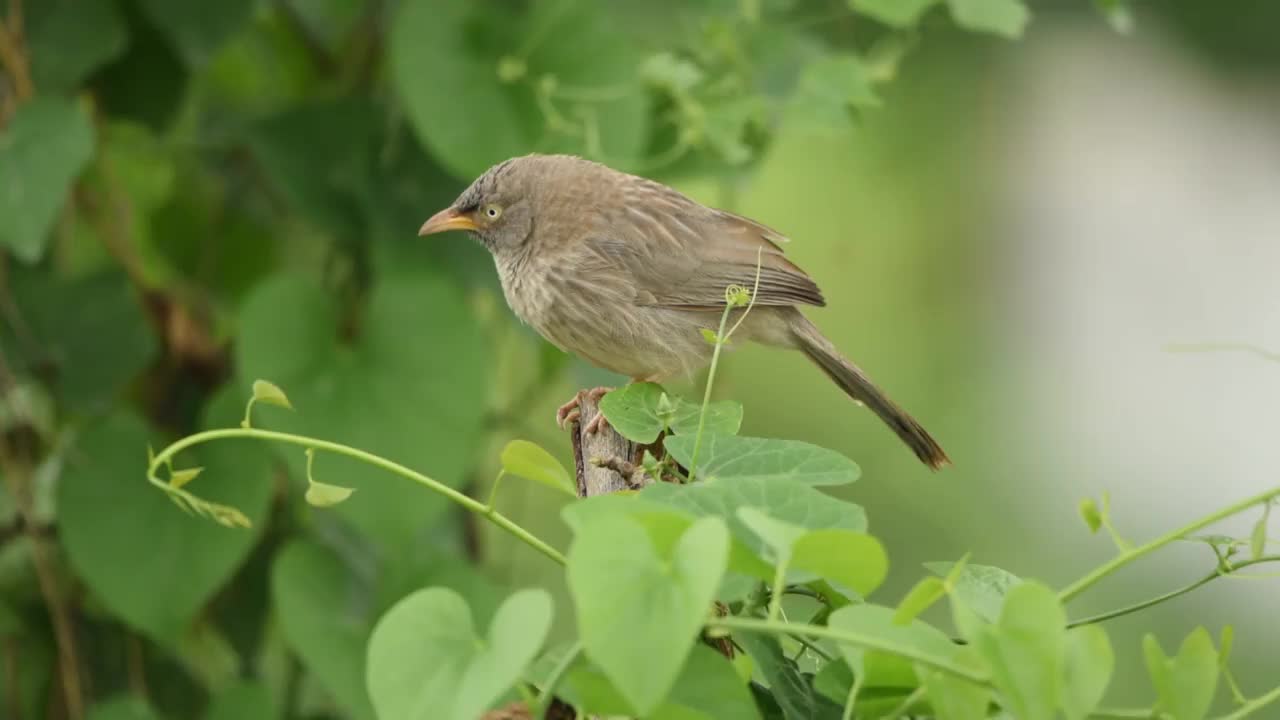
x=197, y=194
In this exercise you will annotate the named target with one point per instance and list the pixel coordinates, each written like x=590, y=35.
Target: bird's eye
x=492, y=211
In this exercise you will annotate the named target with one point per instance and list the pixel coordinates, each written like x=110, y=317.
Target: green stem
x=1129, y=556
x=547, y=694
x=721, y=338
x=779, y=588
x=916, y=696
x=868, y=642
x=469, y=503
x=706, y=394
x=1253, y=705
x=1217, y=573
x=853, y=698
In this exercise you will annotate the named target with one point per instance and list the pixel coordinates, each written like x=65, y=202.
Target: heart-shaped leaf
x=640, y=612
x=47, y=143
x=1026, y=651
x=327, y=610
x=742, y=458
x=1001, y=17
x=954, y=698
x=468, y=48
x=876, y=622
x=69, y=39
x=405, y=389
x=1088, y=666
x=161, y=547
x=640, y=411
x=981, y=588
x=787, y=501
x=91, y=330
x=792, y=691
x=528, y=460
x=313, y=591
x=855, y=560
x=426, y=660
x=1184, y=683
x=708, y=688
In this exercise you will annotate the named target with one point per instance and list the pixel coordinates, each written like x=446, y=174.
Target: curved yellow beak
x=447, y=219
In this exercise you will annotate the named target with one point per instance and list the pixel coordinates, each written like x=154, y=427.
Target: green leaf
x=791, y=689
x=122, y=707
x=426, y=660
x=312, y=592
x=402, y=390
x=1118, y=13
x=670, y=73
x=69, y=39
x=743, y=458
x=882, y=669
x=637, y=609
x=270, y=393
x=324, y=495
x=665, y=524
x=954, y=698
x=831, y=87
x=108, y=515
x=778, y=535
x=895, y=13
x=179, y=478
x=1184, y=684
x=638, y=413
x=319, y=179
x=708, y=688
x=528, y=460
x=1087, y=669
x=464, y=43
x=1000, y=17
x=243, y=701
x=1258, y=538
x=91, y=331
x=47, y=143
x=787, y=501
x=982, y=588
x=1089, y=512
x=922, y=595
x=853, y=559
x=195, y=27
x=1026, y=651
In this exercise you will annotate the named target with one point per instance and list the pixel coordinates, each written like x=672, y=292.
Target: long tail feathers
x=859, y=387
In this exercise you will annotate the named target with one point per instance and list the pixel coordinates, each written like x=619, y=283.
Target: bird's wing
x=682, y=254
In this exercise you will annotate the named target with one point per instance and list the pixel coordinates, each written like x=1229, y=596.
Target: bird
x=628, y=274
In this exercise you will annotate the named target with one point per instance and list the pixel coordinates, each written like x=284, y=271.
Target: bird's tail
x=853, y=381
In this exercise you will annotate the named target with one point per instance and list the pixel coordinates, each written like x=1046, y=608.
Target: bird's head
x=498, y=208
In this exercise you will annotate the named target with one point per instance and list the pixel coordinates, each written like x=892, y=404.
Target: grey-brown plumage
x=626, y=272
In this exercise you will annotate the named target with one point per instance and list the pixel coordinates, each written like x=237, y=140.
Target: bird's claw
x=570, y=412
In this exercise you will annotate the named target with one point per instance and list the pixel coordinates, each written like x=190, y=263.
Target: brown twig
x=17, y=473
x=16, y=456
x=13, y=55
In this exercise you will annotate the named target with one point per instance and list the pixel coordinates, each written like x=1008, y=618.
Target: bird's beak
x=447, y=219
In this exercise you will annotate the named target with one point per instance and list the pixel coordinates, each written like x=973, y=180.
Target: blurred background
x=1055, y=242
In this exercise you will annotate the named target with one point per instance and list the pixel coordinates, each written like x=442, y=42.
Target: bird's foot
x=570, y=413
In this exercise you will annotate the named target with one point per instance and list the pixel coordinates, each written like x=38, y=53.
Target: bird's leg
x=569, y=412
